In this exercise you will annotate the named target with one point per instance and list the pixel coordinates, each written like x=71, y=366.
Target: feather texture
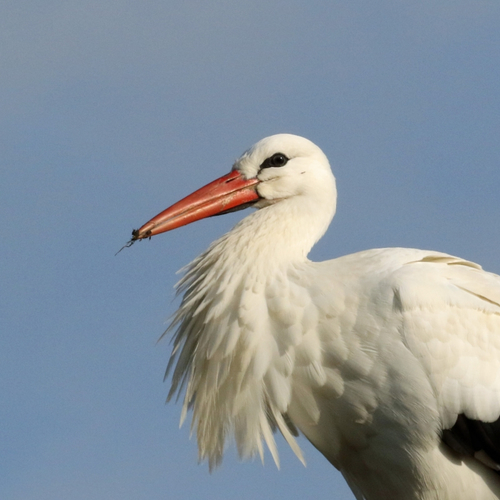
x=387, y=360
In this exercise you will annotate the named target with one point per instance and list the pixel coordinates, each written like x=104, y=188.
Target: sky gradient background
x=111, y=111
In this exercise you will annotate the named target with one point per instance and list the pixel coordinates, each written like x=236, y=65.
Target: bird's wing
x=451, y=322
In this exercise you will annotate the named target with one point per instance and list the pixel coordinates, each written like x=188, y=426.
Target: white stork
x=387, y=360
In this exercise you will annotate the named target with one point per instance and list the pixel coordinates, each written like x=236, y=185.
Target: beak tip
x=141, y=234
x=137, y=234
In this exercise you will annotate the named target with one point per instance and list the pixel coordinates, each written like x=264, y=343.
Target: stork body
x=375, y=357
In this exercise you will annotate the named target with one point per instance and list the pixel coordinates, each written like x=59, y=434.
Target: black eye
x=277, y=160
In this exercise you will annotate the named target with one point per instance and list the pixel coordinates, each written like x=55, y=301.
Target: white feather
x=370, y=355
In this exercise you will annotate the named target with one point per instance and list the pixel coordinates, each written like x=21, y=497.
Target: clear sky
x=112, y=110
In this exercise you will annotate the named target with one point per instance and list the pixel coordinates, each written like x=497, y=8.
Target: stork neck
x=281, y=233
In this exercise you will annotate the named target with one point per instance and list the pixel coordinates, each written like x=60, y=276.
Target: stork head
x=287, y=166
x=279, y=168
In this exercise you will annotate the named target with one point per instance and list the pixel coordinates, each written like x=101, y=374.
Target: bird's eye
x=277, y=160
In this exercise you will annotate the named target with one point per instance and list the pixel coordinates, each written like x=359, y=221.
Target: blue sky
x=111, y=111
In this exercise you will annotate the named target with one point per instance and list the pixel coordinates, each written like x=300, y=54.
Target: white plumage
x=387, y=360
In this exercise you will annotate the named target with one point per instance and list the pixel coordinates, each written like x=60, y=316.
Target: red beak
x=222, y=195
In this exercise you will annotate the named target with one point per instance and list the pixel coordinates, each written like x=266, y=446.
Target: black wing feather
x=469, y=437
